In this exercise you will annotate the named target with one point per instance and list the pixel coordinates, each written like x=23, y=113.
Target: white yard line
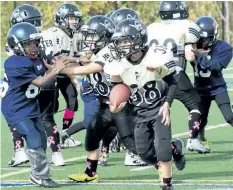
x=180, y=135
x=28, y=169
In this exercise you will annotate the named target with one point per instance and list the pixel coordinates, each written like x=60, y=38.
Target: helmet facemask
x=126, y=46
x=92, y=40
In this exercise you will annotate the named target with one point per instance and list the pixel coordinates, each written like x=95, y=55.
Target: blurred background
x=222, y=11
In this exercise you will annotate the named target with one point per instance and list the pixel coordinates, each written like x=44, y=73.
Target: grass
x=208, y=171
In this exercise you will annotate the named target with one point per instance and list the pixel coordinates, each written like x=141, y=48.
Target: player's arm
x=217, y=62
x=192, y=35
x=167, y=73
x=60, y=64
x=83, y=70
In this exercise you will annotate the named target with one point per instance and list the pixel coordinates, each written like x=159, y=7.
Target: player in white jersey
x=61, y=41
x=149, y=73
x=179, y=34
x=98, y=31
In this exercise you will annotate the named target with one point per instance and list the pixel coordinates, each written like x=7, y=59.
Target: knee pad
x=129, y=143
x=149, y=157
x=164, y=150
x=92, y=139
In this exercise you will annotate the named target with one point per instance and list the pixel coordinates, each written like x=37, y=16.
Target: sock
x=67, y=119
x=194, y=125
x=17, y=139
x=167, y=181
x=53, y=138
x=91, y=167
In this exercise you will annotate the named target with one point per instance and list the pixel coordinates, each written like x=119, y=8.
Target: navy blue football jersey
x=20, y=101
x=209, y=79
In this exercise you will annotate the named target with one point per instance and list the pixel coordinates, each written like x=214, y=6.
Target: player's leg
x=98, y=126
x=162, y=143
x=124, y=124
x=205, y=103
x=188, y=96
x=223, y=102
x=107, y=139
x=90, y=108
x=70, y=94
x=36, y=139
x=47, y=102
x=20, y=155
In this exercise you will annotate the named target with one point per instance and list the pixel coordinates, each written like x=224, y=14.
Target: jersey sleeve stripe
x=194, y=32
x=170, y=64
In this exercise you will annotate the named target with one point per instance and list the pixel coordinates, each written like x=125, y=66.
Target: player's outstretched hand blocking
x=58, y=64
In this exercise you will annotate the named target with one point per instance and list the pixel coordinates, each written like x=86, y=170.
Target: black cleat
x=46, y=183
x=165, y=187
x=178, y=154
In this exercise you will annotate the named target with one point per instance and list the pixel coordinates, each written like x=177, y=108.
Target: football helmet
x=26, y=13
x=173, y=10
x=22, y=33
x=122, y=14
x=62, y=14
x=96, y=33
x=209, y=32
x=130, y=36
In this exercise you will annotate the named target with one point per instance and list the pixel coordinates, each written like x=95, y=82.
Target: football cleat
x=197, y=145
x=103, y=160
x=178, y=154
x=115, y=145
x=133, y=160
x=20, y=157
x=46, y=183
x=83, y=177
x=206, y=145
x=70, y=143
x=165, y=187
x=57, y=159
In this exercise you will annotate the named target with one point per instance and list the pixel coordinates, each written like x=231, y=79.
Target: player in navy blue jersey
x=25, y=73
x=212, y=56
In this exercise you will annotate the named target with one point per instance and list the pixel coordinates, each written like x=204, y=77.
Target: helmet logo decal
x=137, y=25
x=130, y=16
x=16, y=15
x=108, y=26
x=62, y=11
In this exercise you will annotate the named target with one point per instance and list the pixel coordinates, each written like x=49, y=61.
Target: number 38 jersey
x=148, y=90
x=20, y=100
x=101, y=82
x=174, y=34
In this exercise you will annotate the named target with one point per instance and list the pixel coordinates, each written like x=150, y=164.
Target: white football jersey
x=57, y=42
x=102, y=82
x=175, y=35
x=148, y=90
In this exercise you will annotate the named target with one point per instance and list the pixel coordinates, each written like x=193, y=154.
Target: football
x=119, y=93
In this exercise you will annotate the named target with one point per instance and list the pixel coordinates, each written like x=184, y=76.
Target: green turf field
x=212, y=171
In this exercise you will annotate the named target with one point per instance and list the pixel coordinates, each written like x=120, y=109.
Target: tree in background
x=148, y=11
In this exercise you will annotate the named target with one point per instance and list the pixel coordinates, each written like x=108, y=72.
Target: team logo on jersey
x=108, y=26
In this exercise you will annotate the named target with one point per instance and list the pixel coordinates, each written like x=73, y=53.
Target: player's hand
x=165, y=112
x=84, y=59
x=60, y=64
x=115, y=109
x=48, y=66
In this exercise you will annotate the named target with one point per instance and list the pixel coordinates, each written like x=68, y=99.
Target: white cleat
x=197, y=145
x=133, y=160
x=70, y=143
x=57, y=159
x=20, y=157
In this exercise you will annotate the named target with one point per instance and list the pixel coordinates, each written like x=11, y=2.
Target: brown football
x=119, y=93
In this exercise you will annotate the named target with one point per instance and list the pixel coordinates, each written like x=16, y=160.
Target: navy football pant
x=33, y=132
x=223, y=102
